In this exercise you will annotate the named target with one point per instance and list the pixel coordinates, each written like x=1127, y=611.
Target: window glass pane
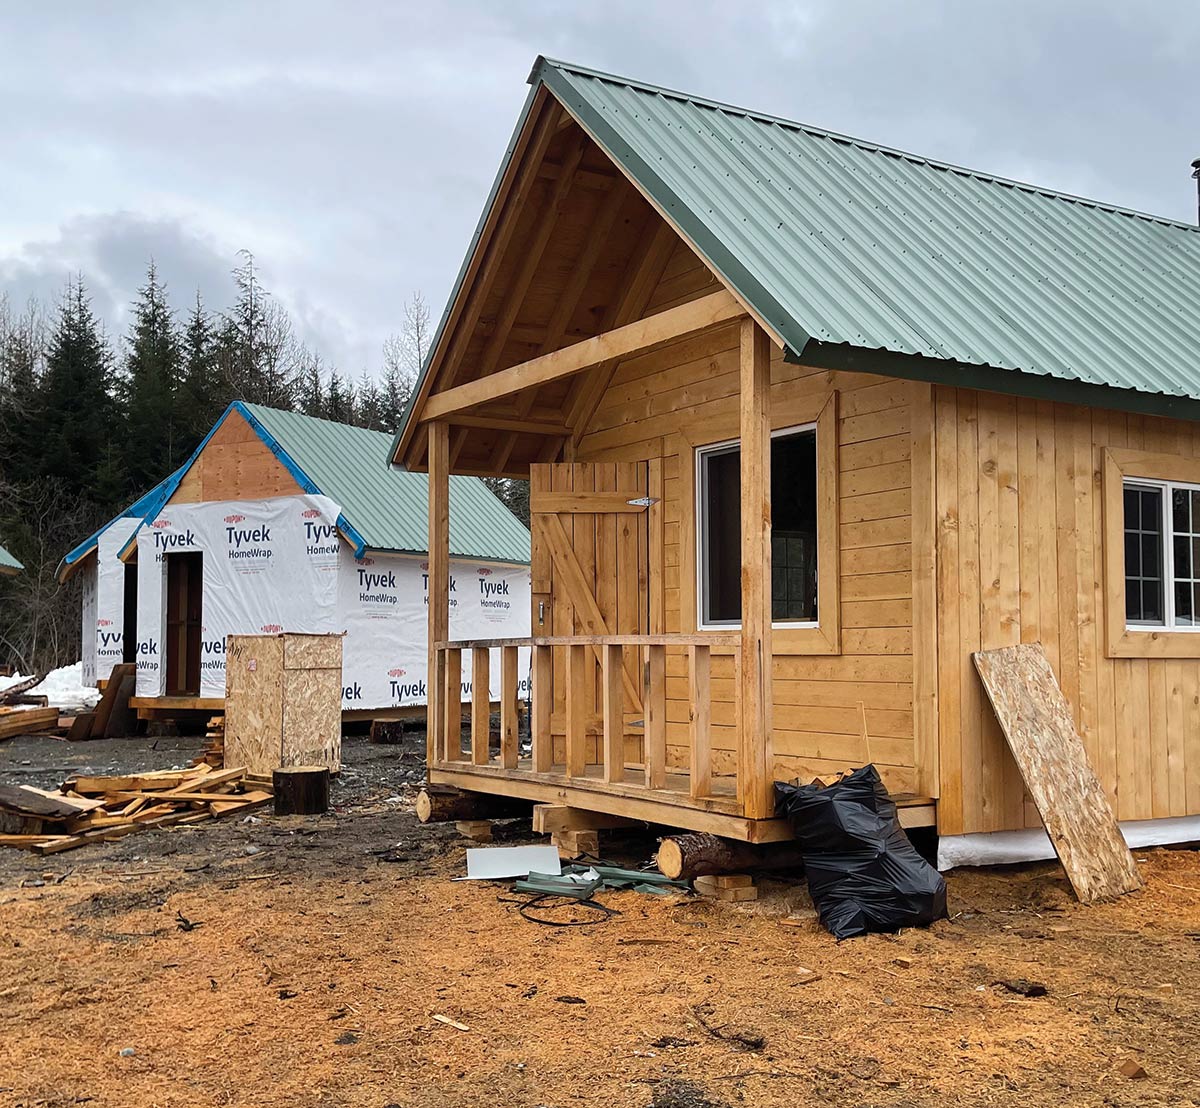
x=1144, y=553
x=722, y=508
x=1183, y=602
x=1183, y=557
x=794, y=526
x=1180, y=516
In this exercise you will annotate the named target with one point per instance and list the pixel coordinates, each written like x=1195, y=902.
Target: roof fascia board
x=436, y=349
x=917, y=367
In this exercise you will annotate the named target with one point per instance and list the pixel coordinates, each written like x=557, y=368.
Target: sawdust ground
x=325, y=947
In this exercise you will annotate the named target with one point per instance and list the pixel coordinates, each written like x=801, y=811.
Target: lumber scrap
x=1040, y=731
x=108, y=700
x=13, y=691
x=80, y=728
x=89, y=809
x=26, y=721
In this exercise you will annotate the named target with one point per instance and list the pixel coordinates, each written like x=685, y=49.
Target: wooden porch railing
x=623, y=704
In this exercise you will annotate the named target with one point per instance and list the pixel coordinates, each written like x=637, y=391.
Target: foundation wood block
x=684, y=857
x=573, y=843
x=715, y=892
x=549, y=819
x=726, y=881
x=445, y=804
x=477, y=830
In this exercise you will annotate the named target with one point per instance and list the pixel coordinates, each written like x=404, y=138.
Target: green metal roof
x=386, y=507
x=9, y=564
x=840, y=244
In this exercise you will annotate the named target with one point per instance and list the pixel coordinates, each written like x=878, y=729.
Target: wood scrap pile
x=213, y=752
x=26, y=721
x=86, y=809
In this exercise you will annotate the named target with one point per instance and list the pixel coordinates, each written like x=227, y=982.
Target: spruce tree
x=153, y=446
x=72, y=416
x=203, y=395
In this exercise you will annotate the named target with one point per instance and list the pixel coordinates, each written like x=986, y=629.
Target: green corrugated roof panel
x=9, y=564
x=388, y=507
x=851, y=244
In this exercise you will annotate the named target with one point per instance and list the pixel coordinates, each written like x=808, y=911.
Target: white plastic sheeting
x=104, y=602
x=280, y=565
x=998, y=848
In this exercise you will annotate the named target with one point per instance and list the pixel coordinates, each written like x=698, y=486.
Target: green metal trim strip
x=916, y=367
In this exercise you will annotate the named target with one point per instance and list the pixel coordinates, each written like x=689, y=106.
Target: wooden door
x=591, y=557
x=185, y=592
x=129, y=615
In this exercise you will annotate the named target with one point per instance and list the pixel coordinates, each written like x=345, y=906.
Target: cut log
x=686, y=857
x=443, y=804
x=301, y=790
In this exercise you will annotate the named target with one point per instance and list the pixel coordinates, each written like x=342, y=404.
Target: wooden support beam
x=655, y=754
x=452, y=707
x=481, y=704
x=438, y=619
x=509, y=423
x=700, y=691
x=543, y=709
x=622, y=342
x=577, y=710
x=509, y=678
x=613, y=712
x=756, y=785
x=549, y=819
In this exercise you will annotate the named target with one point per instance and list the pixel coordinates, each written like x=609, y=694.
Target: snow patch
x=63, y=687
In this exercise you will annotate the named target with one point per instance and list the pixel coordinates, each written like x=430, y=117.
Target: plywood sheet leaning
x=1037, y=722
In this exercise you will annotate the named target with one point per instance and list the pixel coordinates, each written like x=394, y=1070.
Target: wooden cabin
x=808, y=421
x=283, y=522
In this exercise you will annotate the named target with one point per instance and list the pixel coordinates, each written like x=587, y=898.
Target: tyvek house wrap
x=104, y=602
x=279, y=565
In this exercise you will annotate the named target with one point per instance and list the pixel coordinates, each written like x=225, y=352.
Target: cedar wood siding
x=659, y=401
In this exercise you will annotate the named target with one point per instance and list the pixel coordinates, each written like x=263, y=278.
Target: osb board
x=313, y=652
x=312, y=717
x=253, y=699
x=1037, y=722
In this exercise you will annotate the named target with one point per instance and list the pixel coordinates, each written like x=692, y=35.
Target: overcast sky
x=350, y=146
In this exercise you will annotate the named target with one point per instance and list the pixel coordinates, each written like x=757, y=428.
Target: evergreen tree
x=153, y=370
x=339, y=399
x=72, y=415
x=260, y=357
x=312, y=388
x=202, y=395
x=368, y=411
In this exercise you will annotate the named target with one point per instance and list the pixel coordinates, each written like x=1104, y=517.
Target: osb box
x=283, y=701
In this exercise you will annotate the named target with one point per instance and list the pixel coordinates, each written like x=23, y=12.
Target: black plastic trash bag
x=863, y=873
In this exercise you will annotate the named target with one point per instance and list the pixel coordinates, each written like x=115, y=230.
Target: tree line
x=89, y=424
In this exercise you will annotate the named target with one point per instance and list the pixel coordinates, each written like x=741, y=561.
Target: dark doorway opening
x=129, y=621
x=185, y=591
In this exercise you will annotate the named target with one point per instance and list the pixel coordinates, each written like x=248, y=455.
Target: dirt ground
x=302, y=961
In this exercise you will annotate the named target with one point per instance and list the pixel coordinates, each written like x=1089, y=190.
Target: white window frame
x=1168, y=555
x=702, y=578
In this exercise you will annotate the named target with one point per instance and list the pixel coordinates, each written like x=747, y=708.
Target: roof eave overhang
x=1036, y=386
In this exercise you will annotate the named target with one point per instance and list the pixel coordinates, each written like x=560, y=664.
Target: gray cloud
x=351, y=146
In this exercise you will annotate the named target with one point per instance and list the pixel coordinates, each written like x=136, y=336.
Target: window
x=1162, y=554
x=793, y=530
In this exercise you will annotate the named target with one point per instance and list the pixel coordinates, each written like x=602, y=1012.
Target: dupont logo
x=397, y=672
x=424, y=565
x=234, y=518
x=366, y=561
x=104, y=623
x=310, y=513
x=161, y=523
x=271, y=628
x=484, y=572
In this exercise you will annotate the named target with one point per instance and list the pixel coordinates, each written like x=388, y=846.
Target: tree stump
x=686, y=857
x=444, y=804
x=301, y=790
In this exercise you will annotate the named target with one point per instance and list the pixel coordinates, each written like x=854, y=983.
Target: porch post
x=756, y=771
x=439, y=583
